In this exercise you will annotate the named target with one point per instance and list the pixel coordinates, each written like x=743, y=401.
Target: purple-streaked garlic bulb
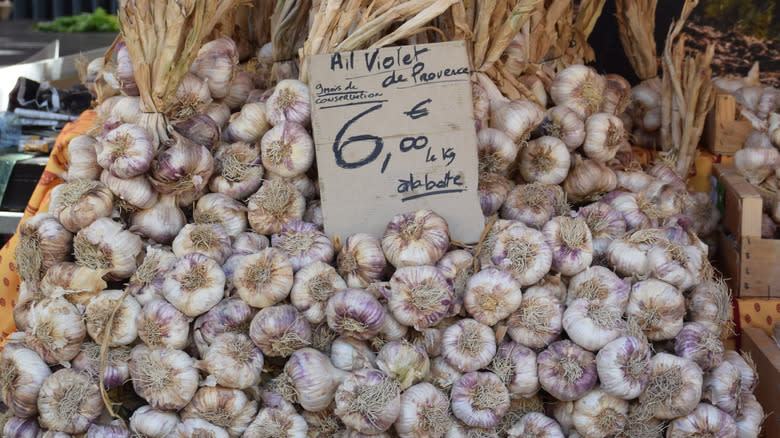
x=570, y=243
x=479, y=399
x=623, y=367
x=419, y=238
x=515, y=364
x=420, y=296
x=523, y=252
x=697, y=343
x=280, y=330
x=538, y=321
x=355, y=313
x=468, y=345
x=303, y=244
x=361, y=260
x=566, y=371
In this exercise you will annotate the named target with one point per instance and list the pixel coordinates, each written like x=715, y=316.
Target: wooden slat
x=723, y=134
x=759, y=275
x=741, y=202
x=766, y=355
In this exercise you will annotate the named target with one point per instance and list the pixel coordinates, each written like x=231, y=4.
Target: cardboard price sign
x=394, y=133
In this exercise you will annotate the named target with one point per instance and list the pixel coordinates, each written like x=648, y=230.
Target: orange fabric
x=759, y=313
x=39, y=202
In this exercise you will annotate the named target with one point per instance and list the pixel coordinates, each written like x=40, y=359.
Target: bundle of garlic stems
x=637, y=34
x=196, y=287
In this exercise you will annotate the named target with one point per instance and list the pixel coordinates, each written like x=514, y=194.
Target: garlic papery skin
x=591, y=324
x=313, y=377
x=240, y=87
x=287, y=150
x=420, y=296
x=562, y=411
x=263, y=279
x=517, y=119
x=115, y=371
x=194, y=284
x=658, y=307
x=17, y=427
x=530, y=204
x=231, y=315
x=233, y=360
x=633, y=180
x=429, y=339
x=403, y=361
x=756, y=164
x=457, y=266
x=56, y=330
x=392, y=330
x=195, y=427
x=442, y=374
x=563, y=123
x=215, y=64
x=361, y=260
x=479, y=399
x=697, y=343
x=605, y=224
x=535, y=425
x=674, y=388
x=216, y=208
x=219, y=112
x=355, y=313
x=279, y=330
x=495, y=150
x=523, y=252
x=544, y=160
x=493, y=189
x=579, y=88
x=165, y=378
x=515, y=365
x=623, y=367
x=43, y=242
x=161, y=325
x=485, y=254
x=628, y=205
x=747, y=368
x=78, y=284
x=136, y=192
x=368, y=401
x=709, y=304
x=104, y=245
x=603, y=134
x=419, y=238
x=152, y=423
x=314, y=215
x=68, y=402
x=678, y=265
x=570, y=243
x=161, y=223
x=617, y=95
x=22, y=373
x=750, y=417
x=114, y=430
x=183, y=170
x=208, y=239
x=722, y=387
x=249, y=242
x=303, y=244
x=424, y=412
x=628, y=254
x=228, y=408
x=126, y=151
x=601, y=285
x=127, y=109
x=308, y=188
x=588, y=180
x=123, y=329
x=192, y=97
x=201, y=129
x=146, y=283
x=289, y=102
x=599, y=414
x=238, y=171
x=468, y=345
x=77, y=204
x=538, y=321
x=705, y=420
x=566, y=371
x=82, y=159
x=313, y=285
x=492, y=295
x=273, y=205
x=349, y=354
x=275, y=423
x=250, y=124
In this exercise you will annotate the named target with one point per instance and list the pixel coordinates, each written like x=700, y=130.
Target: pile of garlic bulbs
x=193, y=283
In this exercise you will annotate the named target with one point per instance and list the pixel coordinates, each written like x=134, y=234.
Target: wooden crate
x=766, y=355
x=723, y=133
x=747, y=260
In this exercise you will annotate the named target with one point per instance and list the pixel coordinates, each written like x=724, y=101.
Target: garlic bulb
x=628, y=204
x=579, y=88
x=195, y=427
x=479, y=399
x=628, y=254
x=697, y=343
x=82, y=159
x=368, y=401
x=123, y=329
x=605, y=224
x=599, y=414
x=240, y=87
x=228, y=408
x=566, y=371
x=424, y=412
x=442, y=374
x=114, y=430
x=160, y=325
x=77, y=204
x=492, y=295
x=183, y=170
x=562, y=412
x=42, y=243
x=722, y=387
x=588, y=180
x=146, y=283
x=535, y=425
x=350, y=354
x=523, y=252
x=160, y=223
x=517, y=119
x=136, y=192
x=468, y=345
x=308, y=188
x=530, y=204
x=219, y=112
x=56, y=330
x=165, y=378
x=263, y=279
x=674, y=388
x=603, y=135
x=273, y=205
x=709, y=304
x=756, y=164
x=16, y=427
x=303, y=244
x=289, y=102
x=238, y=171
x=279, y=330
x=231, y=315
x=314, y=215
x=571, y=244
x=275, y=423
x=601, y=285
x=545, y=160
x=355, y=313
x=314, y=379
x=623, y=367
x=23, y=374
x=208, y=239
x=592, y=324
x=495, y=150
x=747, y=369
x=194, y=284
x=361, y=260
x=200, y=128
x=457, y=266
x=68, y=402
x=658, y=307
x=419, y=238
x=233, y=360
x=152, y=423
x=127, y=109
x=681, y=266
x=192, y=97
x=485, y=254
x=617, y=95
x=250, y=124
x=515, y=365
x=287, y=149
x=313, y=285
x=492, y=189
x=403, y=361
x=538, y=321
x=126, y=151
x=750, y=417
x=215, y=64
x=705, y=420
x=115, y=372
x=420, y=296
x=216, y=208
x=564, y=123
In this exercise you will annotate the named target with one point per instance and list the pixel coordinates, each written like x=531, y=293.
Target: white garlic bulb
x=165, y=378
x=468, y=345
x=750, y=417
x=697, y=343
x=82, y=159
x=105, y=245
x=233, y=360
x=674, y=388
x=238, y=92
x=442, y=374
x=517, y=119
x=126, y=151
x=43, y=241
x=146, y=283
x=361, y=260
x=420, y=296
x=623, y=367
x=161, y=325
x=194, y=427
x=495, y=150
x=457, y=266
x=56, y=330
x=194, y=284
x=704, y=420
x=152, y=423
x=290, y=102
x=78, y=204
x=564, y=123
x=303, y=244
x=709, y=304
x=368, y=401
x=250, y=124
x=216, y=208
x=228, y=408
x=238, y=171
x=591, y=324
x=628, y=254
x=679, y=265
x=23, y=373
x=313, y=378
x=599, y=414
x=273, y=205
x=530, y=204
x=579, y=88
x=69, y=402
x=419, y=238
x=492, y=295
x=570, y=243
x=276, y=423
x=535, y=425
x=230, y=315
x=115, y=370
x=123, y=329
x=479, y=399
x=424, y=412
x=208, y=239
x=756, y=164
x=747, y=369
x=617, y=95
x=588, y=180
x=493, y=189
x=515, y=364
x=312, y=286
x=658, y=307
x=538, y=321
x=135, y=192
x=722, y=387
x=605, y=224
x=279, y=330
x=350, y=354
x=287, y=149
x=264, y=278
x=599, y=284
x=161, y=222
x=523, y=252
x=215, y=64
x=545, y=160
x=603, y=135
